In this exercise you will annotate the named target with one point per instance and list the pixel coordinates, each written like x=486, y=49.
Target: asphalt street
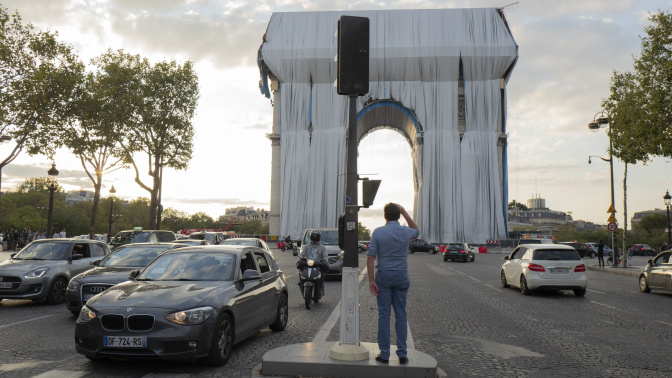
x=458, y=314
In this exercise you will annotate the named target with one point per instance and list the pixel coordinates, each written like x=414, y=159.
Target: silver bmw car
x=192, y=303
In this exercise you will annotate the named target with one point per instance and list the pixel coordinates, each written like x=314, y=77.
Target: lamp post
x=594, y=126
x=112, y=195
x=667, y=199
x=52, y=176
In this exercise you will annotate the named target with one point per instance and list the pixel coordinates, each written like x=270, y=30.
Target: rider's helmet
x=315, y=236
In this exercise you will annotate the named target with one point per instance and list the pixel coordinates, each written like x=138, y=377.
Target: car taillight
x=580, y=268
x=462, y=251
x=536, y=268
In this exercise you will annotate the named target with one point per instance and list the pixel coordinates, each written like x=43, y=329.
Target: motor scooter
x=310, y=277
x=290, y=246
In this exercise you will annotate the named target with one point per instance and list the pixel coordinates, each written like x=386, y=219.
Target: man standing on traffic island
x=389, y=244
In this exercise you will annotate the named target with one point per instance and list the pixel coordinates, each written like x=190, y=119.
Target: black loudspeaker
x=353, y=56
x=341, y=231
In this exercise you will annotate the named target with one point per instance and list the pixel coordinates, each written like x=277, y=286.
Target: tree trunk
x=156, y=184
x=94, y=208
x=625, y=213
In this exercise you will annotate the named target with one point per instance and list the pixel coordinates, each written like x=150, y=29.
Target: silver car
x=656, y=274
x=251, y=242
x=544, y=267
x=329, y=238
x=43, y=268
x=188, y=304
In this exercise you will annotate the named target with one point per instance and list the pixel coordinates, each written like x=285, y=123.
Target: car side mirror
x=650, y=262
x=250, y=275
x=95, y=262
x=133, y=274
x=295, y=253
x=506, y=257
x=298, y=243
x=12, y=255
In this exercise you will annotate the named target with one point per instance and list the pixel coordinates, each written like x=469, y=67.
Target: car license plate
x=125, y=341
x=5, y=285
x=559, y=270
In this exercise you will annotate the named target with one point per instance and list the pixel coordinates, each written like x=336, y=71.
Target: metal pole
x=611, y=166
x=52, y=189
x=669, y=236
x=350, y=298
x=109, y=230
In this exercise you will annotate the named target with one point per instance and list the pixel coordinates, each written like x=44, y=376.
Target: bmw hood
x=105, y=275
x=158, y=294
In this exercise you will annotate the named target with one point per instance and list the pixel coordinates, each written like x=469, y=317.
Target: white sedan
x=545, y=267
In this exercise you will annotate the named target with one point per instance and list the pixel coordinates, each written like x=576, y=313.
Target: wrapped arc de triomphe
x=437, y=76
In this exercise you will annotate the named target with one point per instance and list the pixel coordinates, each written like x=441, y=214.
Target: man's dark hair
x=391, y=212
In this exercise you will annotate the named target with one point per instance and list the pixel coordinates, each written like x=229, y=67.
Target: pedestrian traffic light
x=353, y=56
x=369, y=190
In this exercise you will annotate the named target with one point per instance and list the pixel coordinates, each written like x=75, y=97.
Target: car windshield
x=329, y=237
x=251, y=243
x=187, y=241
x=130, y=237
x=191, y=266
x=44, y=251
x=208, y=237
x=455, y=246
x=555, y=254
x=133, y=257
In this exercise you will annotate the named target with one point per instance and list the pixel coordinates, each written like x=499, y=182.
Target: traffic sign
x=611, y=209
x=612, y=218
x=612, y=226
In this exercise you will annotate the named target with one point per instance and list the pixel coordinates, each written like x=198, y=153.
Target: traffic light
x=369, y=190
x=353, y=56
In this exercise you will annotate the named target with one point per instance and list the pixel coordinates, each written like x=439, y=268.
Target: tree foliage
x=517, y=205
x=38, y=75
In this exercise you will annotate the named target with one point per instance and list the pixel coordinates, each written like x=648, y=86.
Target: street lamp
x=109, y=230
x=52, y=176
x=667, y=199
x=594, y=126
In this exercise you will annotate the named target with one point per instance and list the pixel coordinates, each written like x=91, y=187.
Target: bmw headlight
x=191, y=317
x=73, y=285
x=37, y=273
x=86, y=315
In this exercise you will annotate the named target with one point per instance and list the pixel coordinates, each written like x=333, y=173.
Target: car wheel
x=360, y=249
x=410, y=250
x=503, y=279
x=592, y=255
x=283, y=248
x=465, y=259
x=644, y=285
x=74, y=313
x=57, y=291
x=282, y=316
x=222, y=342
x=445, y=258
x=473, y=258
x=579, y=292
x=432, y=251
x=523, y=286
x=95, y=359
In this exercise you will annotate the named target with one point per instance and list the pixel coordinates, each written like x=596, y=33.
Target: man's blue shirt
x=390, y=244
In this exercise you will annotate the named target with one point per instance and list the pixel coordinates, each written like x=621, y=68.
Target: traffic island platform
x=312, y=360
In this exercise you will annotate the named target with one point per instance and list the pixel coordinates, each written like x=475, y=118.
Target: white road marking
x=62, y=373
x=666, y=323
x=475, y=279
x=595, y=291
x=494, y=288
x=601, y=304
x=25, y=321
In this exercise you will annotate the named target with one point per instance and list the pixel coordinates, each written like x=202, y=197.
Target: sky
x=568, y=51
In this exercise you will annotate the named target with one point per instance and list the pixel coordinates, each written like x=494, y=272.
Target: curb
x=631, y=272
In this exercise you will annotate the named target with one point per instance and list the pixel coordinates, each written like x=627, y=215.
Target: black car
x=458, y=251
x=419, y=245
x=112, y=270
x=642, y=250
x=580, y=248
x=192, y=303
x=138, y=235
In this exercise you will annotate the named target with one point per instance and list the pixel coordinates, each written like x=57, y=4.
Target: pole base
x=348, y=352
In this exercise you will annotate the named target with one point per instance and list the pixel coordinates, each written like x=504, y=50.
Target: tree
x=513, y=205
x=37, y=77
x=653, y=224
x=163, y=131
x=363, y=233
x=37, y=184
x=628, y=135
x=105, y=101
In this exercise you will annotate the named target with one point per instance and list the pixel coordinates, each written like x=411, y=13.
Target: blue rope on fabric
x=393, y=105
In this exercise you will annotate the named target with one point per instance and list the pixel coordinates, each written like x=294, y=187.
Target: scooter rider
x=316, y=251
